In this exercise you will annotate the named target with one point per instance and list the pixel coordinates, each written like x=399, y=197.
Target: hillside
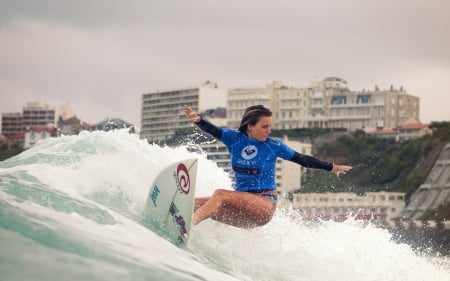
x=379, y=164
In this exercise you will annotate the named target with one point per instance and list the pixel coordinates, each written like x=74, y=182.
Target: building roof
x=17, y=136
x=413, y=126
x=71, y=120
x=383, y=132
x=49, y=129
x=85, y=125
x=413, y=123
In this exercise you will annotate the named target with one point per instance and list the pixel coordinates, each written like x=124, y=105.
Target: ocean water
x=71, y=208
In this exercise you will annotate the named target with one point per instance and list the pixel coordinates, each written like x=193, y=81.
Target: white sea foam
x=108, y=174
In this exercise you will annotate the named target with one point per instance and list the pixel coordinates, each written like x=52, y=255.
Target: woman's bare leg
x=200, y=202
x=239, y=209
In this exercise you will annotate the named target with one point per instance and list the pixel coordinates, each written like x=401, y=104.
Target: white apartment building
x=383, y=207
x=241, y=98
x=288, y=104
x=372, y=110
x=38, y=114
x=162, y=111
x=319, y=97
x=288, y=175
x=218, y=153
x=11, y=123
x=33, y=114
x=292, y=107
x=327, y=103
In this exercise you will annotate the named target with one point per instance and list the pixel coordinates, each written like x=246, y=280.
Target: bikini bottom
x=271, y=197
x=267, y=195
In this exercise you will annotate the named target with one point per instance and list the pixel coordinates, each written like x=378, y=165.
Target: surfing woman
x=253, y=157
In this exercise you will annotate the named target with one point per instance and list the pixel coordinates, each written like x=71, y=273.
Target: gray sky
x=100, y=56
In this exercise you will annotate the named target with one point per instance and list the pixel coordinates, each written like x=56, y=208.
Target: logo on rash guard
x=249, y=152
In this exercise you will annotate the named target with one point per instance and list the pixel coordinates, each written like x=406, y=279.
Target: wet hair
x=251, y=116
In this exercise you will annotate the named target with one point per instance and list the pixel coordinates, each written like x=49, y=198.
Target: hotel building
x=33, y=114
x=382, y=207
x=327, y=103
x=37, y=114
x=162, y=111
x=11, y=124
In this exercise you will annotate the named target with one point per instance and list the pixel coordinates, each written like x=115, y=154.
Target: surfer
x=253, y=156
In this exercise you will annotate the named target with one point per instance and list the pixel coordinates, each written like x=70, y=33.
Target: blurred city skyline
x=100, y=56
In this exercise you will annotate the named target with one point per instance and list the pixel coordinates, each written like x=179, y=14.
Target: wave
x=73, y=205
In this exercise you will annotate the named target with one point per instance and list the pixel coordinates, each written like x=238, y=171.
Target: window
x=365, y=98
x=339, y=100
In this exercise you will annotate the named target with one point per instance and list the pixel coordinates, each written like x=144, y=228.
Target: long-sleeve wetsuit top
x=253, y=161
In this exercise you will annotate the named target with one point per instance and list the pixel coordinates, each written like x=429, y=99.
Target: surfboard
x=170, y=201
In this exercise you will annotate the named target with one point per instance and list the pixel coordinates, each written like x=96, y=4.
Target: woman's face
x=261, y=130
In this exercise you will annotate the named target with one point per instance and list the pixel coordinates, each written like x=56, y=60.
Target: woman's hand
x=191, y=114
x=340, y=169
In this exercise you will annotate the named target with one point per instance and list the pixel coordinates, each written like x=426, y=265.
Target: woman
x=253, y=158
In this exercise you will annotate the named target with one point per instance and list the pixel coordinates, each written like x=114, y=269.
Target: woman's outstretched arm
x=202, y=123
x=312, y=162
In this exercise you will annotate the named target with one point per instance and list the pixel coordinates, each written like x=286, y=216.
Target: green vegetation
x=6, y=152
x=379, y=164
x=442, y=213
x=442, y=130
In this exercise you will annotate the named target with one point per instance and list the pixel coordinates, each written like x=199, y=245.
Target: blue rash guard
x=253, y=161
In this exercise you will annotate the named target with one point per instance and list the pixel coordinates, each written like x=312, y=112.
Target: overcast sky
x=100, y=56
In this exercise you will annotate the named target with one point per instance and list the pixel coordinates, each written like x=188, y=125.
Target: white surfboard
x=170, y=202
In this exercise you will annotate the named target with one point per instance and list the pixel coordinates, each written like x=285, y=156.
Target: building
x=11, y=124
x=36, y=133
x=37, y=114
x=241, y=98
x=289, y=175
x=71, y=125
x=411, y=129
x=292, y=107
x=382, y=207
x=327, y=103
x=218, y=153
x=33, y=114
x=320, y=96
x=16, y=140
x=162, y=111
x=288, y=104
x=370, y=110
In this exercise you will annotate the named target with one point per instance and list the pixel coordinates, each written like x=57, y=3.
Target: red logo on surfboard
x=184, y=182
